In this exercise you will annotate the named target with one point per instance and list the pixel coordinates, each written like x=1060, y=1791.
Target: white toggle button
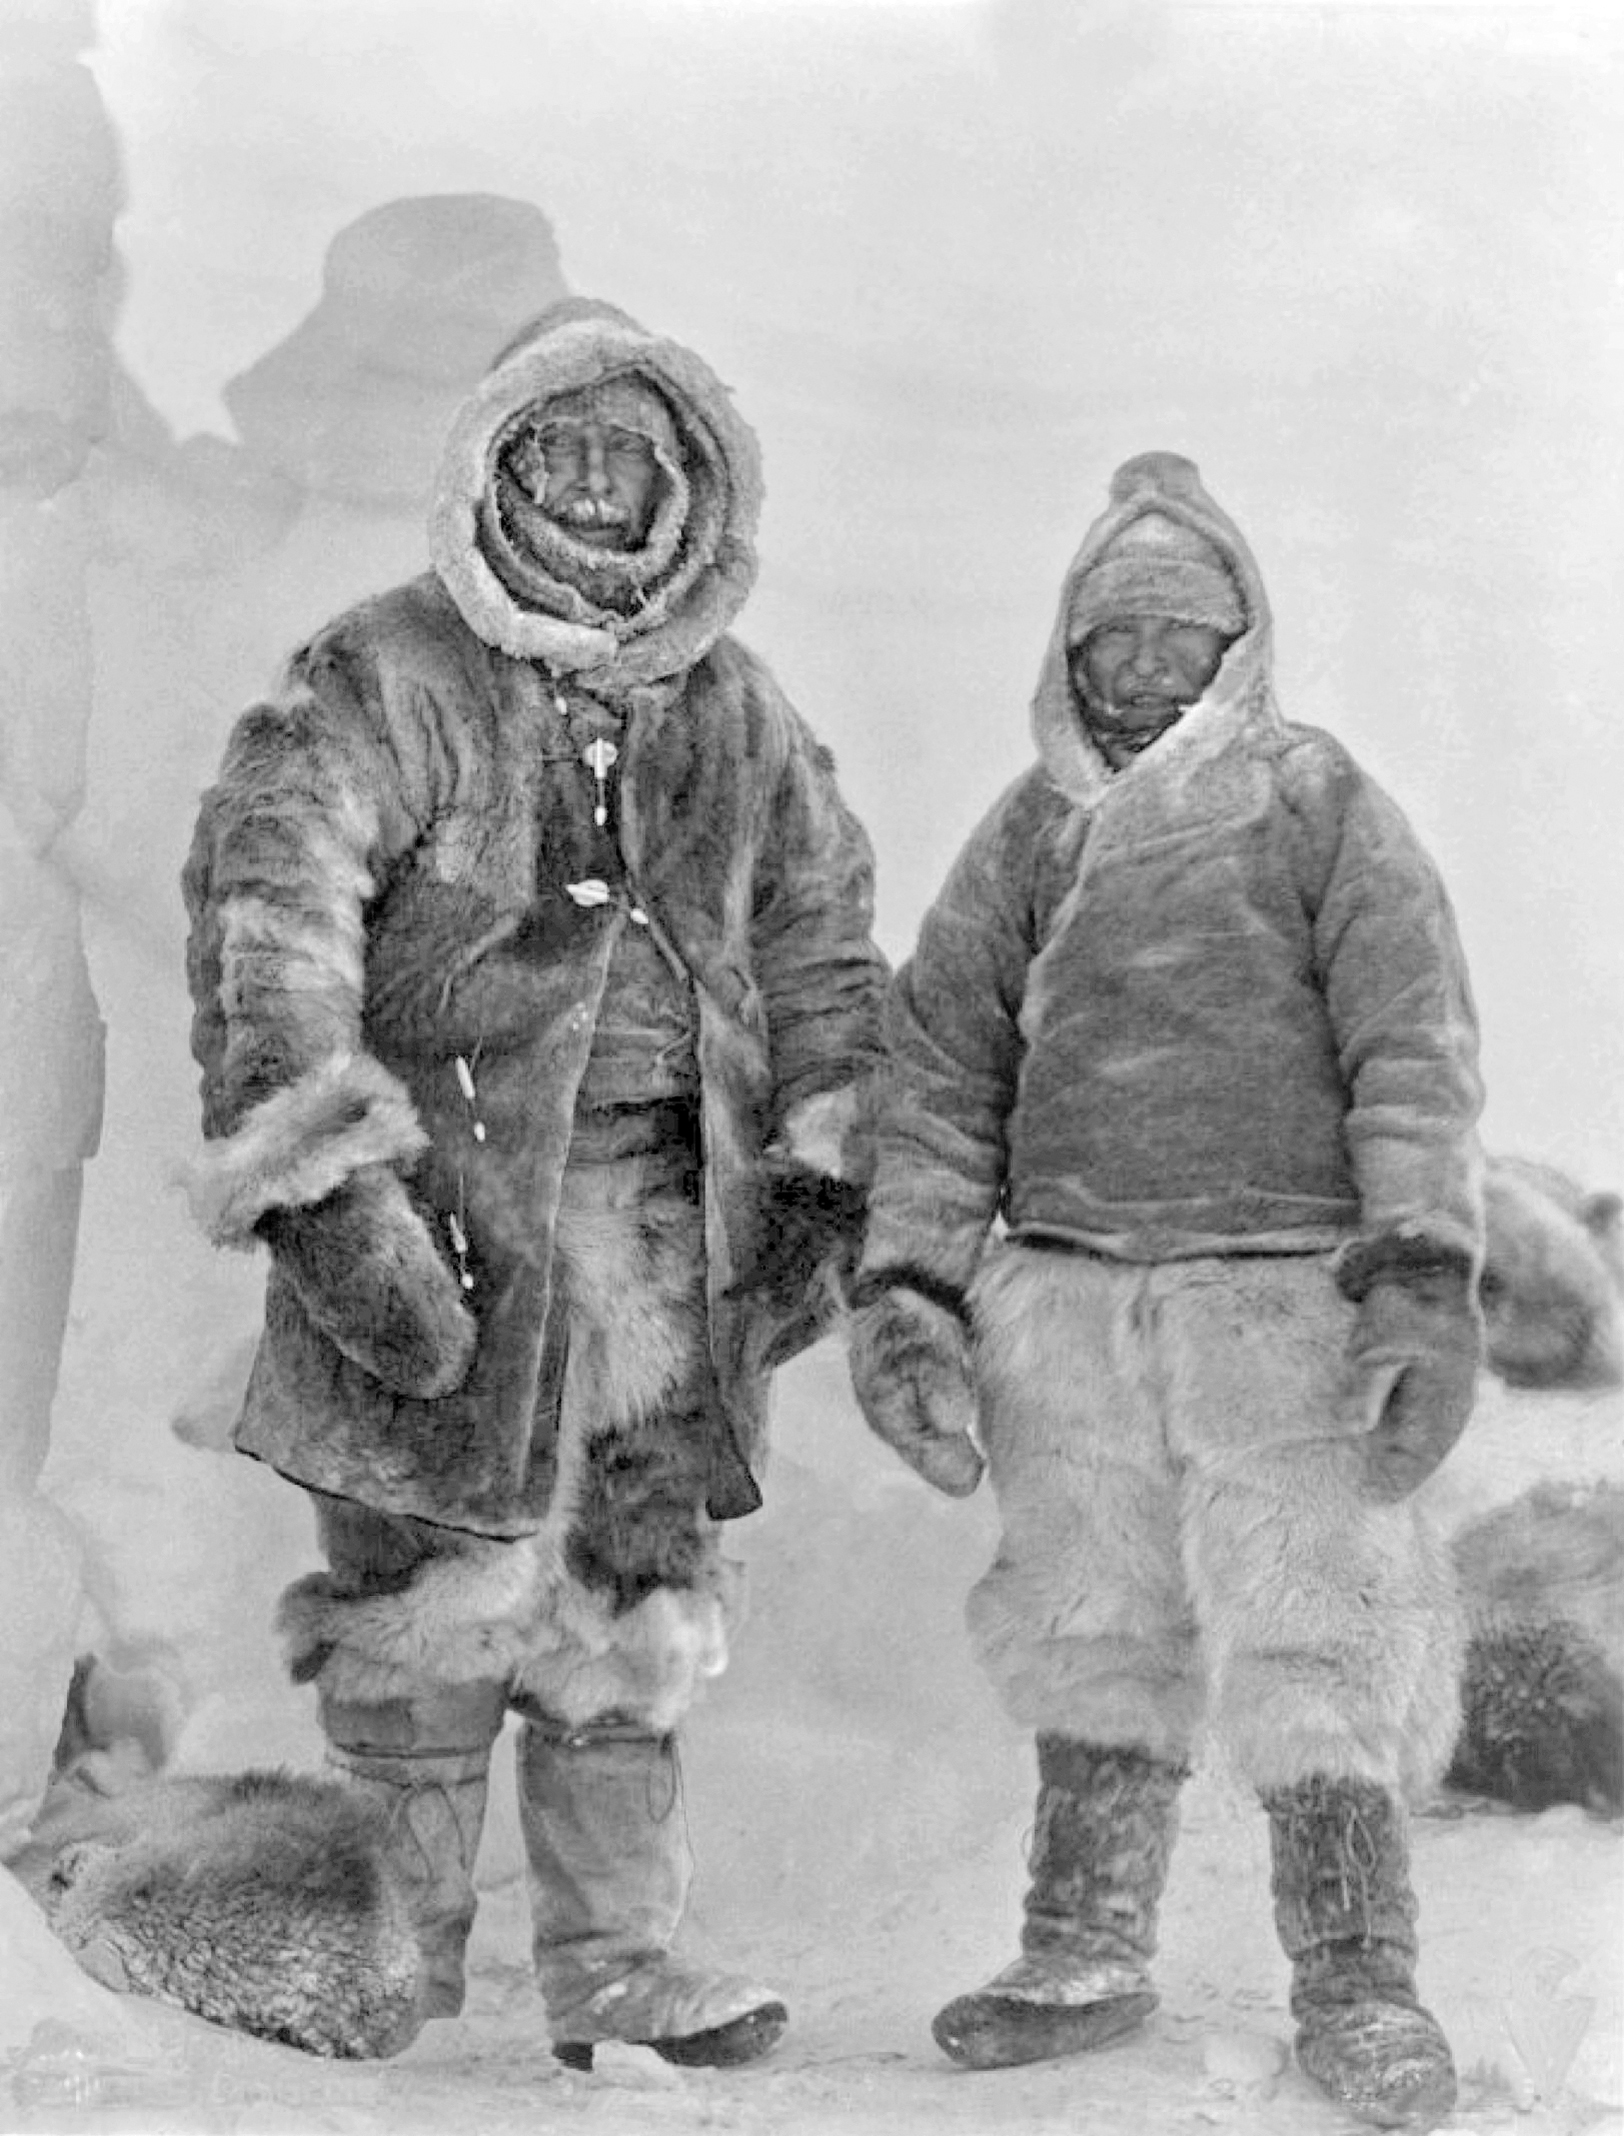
x=591, y=890
x=465, y=1083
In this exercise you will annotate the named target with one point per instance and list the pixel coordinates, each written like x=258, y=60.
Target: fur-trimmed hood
x=1240, y=699
x=1213, y=1001
x=679, y=591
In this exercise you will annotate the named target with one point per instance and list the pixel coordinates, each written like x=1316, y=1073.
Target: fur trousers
x=622, y=1603
x=1184, y=1543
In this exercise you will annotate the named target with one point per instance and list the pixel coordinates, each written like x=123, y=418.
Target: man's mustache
x=591, y=512
x=1149, y=693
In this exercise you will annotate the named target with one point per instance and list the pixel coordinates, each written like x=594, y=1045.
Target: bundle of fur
x=258, y=1900
x=1543, y=1697
x=1543, y=1575
x=1553, y=1273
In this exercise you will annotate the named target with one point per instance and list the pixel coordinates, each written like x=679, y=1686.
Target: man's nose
x=1147, y=651
x=594, y=465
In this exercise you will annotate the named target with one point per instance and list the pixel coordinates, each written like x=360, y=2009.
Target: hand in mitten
x=808, y=1225
x=912, y=1373
x=366, y=1271
x=809, y=1233
x=1414, y=1355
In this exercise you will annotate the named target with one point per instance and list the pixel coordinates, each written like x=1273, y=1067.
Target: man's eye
x=627, y=445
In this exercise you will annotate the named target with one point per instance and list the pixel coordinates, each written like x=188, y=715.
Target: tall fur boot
x=1105, y=1825
x=1346, y=1917
x=603, y=1829
x=424, y=1763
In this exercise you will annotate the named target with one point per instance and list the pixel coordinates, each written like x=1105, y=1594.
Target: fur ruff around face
x=693, y=577
x=1163, y=489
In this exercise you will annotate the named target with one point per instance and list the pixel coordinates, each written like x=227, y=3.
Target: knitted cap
x=1157, y=566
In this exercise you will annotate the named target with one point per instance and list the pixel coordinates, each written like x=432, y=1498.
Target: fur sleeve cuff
x=1399, y=1255
x=297, y=1145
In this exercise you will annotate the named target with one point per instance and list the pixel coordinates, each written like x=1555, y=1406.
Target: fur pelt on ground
x=259, y=1900
x=1543, y=1694
x=1543, y=1575
x=1553, y=1278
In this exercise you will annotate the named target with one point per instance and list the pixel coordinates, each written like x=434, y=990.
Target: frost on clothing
x=1212, y=1002
x=379, y=891
x=1190, y=1018
x=531, y=963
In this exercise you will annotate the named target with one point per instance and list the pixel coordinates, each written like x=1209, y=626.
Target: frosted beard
x=557, y=568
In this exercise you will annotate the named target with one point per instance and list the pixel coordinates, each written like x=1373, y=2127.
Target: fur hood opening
x=629, y=619
x=1240, y=698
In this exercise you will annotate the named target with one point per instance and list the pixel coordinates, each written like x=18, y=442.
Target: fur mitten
x=1414, y=1354
x=809, y=1233
x=912, y=1373
x=365, y=1269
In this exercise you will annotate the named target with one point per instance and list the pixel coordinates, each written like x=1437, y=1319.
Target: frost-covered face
x=596, y=479
x=1135, y=676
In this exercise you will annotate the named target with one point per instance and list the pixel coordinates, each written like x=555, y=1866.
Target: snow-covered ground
x=956, y=261
x=857, y=1807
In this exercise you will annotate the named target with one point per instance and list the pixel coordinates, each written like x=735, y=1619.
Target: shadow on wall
x=417, y=297
x=211, y=558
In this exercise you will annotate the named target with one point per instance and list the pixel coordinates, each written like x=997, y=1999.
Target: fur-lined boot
x=609, y=1873
x=424, y=1764
x=1346, y=1916
x=1106, y=1821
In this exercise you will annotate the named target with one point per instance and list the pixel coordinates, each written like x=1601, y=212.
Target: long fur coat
x=403, y=926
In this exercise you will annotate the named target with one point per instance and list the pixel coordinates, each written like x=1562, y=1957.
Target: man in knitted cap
x=1190, y=1017
x=535, y=999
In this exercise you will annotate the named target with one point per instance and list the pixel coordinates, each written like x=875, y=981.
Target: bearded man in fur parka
x=1177, y=1219
x=535, y=998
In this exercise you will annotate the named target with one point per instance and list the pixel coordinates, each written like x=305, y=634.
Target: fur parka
x=1211, y=1002
x=403, y=926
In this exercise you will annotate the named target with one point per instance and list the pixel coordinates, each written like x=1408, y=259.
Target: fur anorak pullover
x=1210, y=1003
x=388, y=965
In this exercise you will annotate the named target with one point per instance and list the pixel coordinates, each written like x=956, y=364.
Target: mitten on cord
x=911, y=1370
x=364, y=1267
x=1414, y=1356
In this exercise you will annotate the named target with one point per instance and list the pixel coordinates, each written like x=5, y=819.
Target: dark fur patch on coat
x=640, y=1520
x=809, y=1237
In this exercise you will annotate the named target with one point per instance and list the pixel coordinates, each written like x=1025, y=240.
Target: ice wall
x=58, y=198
